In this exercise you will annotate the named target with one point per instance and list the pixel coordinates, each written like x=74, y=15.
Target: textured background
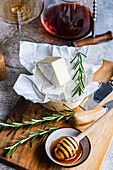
x=8, y=97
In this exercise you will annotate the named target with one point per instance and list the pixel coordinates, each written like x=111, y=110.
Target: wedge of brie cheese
x=54, y=69
x=53, y=92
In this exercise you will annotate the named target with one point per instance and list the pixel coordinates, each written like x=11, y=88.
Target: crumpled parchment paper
x=31, y=53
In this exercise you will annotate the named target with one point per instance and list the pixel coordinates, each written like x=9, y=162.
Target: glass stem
x=19, y=25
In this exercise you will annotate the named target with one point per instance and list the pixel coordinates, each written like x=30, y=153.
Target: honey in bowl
x=68, y=20
x=71, y=160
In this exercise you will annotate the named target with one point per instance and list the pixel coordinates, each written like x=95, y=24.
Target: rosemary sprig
x=49, y=118
x=78, y=74
x=16, y=143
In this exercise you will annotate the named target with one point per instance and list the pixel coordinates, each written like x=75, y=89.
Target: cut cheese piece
x=55, y=70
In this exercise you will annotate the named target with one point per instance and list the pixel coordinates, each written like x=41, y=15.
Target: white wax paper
x=31, y=53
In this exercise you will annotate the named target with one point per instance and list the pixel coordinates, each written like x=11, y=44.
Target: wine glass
x=68, y=19
x=17, y=12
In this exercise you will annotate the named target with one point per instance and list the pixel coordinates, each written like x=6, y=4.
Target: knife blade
x=105, y=88
x=84, y=117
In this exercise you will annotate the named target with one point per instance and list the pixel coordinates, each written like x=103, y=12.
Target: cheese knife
x=105, y=88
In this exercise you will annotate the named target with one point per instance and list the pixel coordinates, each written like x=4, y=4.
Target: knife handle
x=91, y=41
x=85, y=117
x=111, y=78
x=111, y=81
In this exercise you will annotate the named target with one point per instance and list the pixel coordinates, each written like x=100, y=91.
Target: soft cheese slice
x=55, y=70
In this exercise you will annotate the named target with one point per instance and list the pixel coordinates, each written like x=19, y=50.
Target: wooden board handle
x=3, y=71
x=95, y=124
x=91, y=41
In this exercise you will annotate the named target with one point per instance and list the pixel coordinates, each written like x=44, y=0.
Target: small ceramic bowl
x=85, y=143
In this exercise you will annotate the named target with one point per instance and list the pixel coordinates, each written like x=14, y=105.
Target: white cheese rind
x=57, y=93
x=55, y=70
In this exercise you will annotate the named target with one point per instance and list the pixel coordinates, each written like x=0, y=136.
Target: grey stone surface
x=8, y=98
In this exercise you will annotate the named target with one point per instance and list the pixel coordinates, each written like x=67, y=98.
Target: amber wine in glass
x=17, y=12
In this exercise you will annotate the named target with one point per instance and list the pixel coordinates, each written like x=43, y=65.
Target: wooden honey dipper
x=68, y=146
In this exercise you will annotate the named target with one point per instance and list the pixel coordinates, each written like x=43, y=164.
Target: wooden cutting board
x=35, y=157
